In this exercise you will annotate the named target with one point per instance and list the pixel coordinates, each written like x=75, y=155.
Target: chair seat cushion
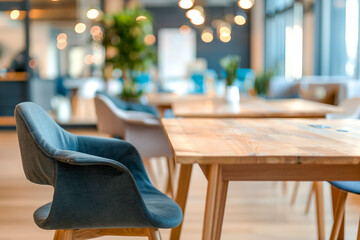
x=348, y=186
x=161, y=212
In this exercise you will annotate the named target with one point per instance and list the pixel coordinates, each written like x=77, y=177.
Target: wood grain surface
x=253, y=108
x=264, y=141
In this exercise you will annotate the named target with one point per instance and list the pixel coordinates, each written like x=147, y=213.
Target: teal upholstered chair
x=100, y=184
x=345, y=187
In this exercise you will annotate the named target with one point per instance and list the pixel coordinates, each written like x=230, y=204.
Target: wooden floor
x=254, y=210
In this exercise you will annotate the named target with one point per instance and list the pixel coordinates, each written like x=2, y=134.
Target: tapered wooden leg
x=154, y=234
x=358, y=234
x=150, y=171
x=181, y=195
x=339, y=216
x=308, y=203
x=284, y=185
x=319, y=198
x=335, y=194
x=161, y=111
x=64, y=235
x=294, y=194
x=171, y=176
x=215, y=203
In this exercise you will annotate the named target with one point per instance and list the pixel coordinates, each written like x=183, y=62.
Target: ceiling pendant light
x=240, y=18
x=246, y=4
x=207, y=35
x=186, y=4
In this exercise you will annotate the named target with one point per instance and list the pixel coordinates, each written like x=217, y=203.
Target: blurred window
x=283, y=49
x=12, y=43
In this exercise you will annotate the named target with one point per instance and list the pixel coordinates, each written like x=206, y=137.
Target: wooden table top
x=264, y=141
x=253, y=108
x=167, y=99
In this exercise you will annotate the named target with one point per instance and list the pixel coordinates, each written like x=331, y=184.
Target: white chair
x=351, y=107
x=141, y=129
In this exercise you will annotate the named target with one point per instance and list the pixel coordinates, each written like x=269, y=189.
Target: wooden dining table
x=259, y=150
x=163, y=101
x=252, y=107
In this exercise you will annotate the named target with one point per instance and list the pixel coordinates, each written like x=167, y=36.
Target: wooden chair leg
x=154, y=234
x=150, y=171
x=181, y=195
x=358, y=235
x=308, y=203
x=293, y=197
x=171, y=175
x=64, y=235
x=284, y=185
x=340, y=209
x=319, y=198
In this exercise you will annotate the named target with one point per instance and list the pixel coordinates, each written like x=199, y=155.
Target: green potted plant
x=262, y=82
x=230, y=63
x=128, y=43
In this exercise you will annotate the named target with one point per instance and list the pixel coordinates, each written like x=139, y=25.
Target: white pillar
x=257, y=36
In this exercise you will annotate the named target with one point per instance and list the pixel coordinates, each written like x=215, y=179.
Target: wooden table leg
x=161, y=111
x=335, y=197
x=320, y=210
x=181, y=196
x=171, y=177
x=215, y=203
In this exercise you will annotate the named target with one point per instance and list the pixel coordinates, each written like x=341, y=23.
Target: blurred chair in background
x=198, y=81
x=246, y=79
x=351, y=107
x=100, y=184
x=138, y=124
x=196, y=71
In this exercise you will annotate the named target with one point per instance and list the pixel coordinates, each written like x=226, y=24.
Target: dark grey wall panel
x=174, y=17
x=11, y=93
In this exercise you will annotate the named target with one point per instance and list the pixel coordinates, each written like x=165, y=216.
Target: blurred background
x=52, y=51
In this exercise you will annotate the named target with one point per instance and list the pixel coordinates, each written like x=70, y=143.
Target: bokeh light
x=186, y=4
x=92, y=13
x=141, y=18
x=150, y=39
x=239, y=20
x=225, y=38
x=80, y=27
x=197, y=20
x=15, y=14
x=246, y=4
x=185, y=29
x=207, y=36
x=88, y=59
x=61, y=45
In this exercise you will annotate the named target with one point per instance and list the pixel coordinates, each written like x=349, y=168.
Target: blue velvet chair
x=345, y=187
x=100, y=184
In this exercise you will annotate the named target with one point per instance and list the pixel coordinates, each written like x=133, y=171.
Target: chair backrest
x=106, y=113
x=243, y=73
x=123, y=105
x=351, y=107
x=40, y=139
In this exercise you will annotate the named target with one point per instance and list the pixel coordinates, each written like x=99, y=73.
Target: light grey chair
x=141, y=127
x=351, y=107
x=100, y=184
